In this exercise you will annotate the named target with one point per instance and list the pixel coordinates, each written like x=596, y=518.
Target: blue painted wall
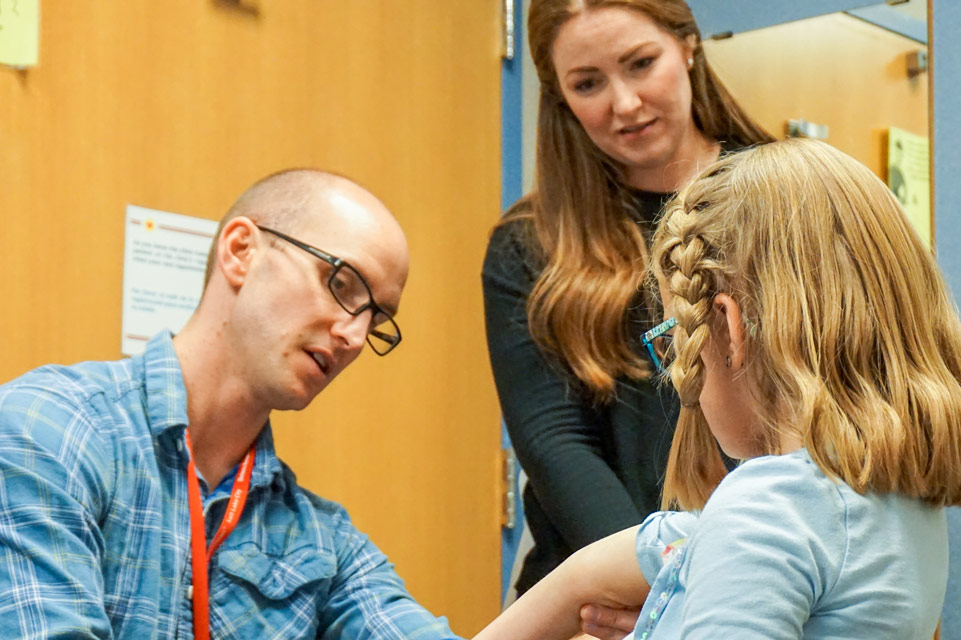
x=720, y=16
x=946, y=82
x=511, y=189
x=892, y=20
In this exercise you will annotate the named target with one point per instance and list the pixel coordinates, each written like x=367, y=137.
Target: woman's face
x=626, y=80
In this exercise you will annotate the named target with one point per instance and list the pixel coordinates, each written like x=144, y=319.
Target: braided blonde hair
x=854, y=345
x=690, y=283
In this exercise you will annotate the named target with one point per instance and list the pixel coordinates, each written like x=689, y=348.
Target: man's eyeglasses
x=658, y=343
x=352, y=292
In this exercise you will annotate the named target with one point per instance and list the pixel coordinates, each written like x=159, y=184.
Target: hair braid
x=691, y=271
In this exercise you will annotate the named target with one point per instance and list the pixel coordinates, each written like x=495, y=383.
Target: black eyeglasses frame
x=339, y=263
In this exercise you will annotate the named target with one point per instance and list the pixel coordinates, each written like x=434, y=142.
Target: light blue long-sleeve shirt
x=95, y=532
x=782, y=551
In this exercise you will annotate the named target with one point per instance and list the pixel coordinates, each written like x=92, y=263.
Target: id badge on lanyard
x=200, y=552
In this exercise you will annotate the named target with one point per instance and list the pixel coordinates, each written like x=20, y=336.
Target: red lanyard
x=200, y=554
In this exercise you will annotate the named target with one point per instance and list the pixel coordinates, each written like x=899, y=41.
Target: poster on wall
x=165, y=255
x=19, y=32
x=908, y=177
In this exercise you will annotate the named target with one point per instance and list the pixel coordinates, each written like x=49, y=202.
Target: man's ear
x=235, y=249
x=728, y=317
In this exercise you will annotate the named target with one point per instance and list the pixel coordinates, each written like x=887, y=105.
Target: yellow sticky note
x=19, y=32
x=908, y=177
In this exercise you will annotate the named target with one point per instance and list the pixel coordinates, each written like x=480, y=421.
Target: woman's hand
x=607, y=623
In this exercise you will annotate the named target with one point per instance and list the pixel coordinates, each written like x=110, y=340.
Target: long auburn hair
x=852, y=342
x=595, y=255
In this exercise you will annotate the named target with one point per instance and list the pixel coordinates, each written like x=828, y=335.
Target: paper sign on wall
x=908, y=177
x=165, y=255
x=19, y=32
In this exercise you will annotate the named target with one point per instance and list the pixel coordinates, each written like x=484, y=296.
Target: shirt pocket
x=254, y=594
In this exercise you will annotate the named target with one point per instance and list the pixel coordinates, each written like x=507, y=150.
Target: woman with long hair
x=811, y=336
x=629, y=110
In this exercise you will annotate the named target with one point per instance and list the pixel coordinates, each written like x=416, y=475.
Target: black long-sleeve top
x=593, y=469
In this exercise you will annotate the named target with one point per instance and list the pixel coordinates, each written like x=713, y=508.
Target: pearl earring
x=690, y=62
x=729, y=362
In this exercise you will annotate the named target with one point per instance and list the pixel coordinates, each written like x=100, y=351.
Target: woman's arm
x=605, y=573
x=553, y=429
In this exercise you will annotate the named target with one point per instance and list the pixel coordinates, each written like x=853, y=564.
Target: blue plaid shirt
x=95, y=531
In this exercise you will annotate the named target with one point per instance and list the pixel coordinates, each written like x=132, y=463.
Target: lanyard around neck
x=200, y=553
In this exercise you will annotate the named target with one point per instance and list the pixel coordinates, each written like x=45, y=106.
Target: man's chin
x=298, y=399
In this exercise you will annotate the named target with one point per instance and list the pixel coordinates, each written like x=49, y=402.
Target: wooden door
x=179, y=105
x=833, y=69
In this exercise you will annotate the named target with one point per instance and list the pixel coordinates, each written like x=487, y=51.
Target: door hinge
x=509, y=494
x=507, y=29
x=801, y=128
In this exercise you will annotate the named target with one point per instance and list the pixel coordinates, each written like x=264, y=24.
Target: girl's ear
x=728, y=315
x=235, y=249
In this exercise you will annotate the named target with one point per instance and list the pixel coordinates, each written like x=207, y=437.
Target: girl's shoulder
x=773, y=470
x=792, y=493
x=780, y=488
x=781, y=526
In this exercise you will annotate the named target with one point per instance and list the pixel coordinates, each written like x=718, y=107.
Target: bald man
x=143, y=499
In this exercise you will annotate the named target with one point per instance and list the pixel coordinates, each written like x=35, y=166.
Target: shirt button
x=190, y=592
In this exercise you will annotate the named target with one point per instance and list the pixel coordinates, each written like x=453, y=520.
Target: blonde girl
x=811, y=336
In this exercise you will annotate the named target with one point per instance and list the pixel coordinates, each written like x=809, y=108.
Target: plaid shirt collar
x=167, y=407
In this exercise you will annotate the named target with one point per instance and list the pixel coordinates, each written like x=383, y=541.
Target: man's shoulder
x=69, y=426
x=79, y=396
x=75, y=383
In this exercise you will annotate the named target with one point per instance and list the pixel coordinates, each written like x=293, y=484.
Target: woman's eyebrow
x=632, y=52
x=584, y=69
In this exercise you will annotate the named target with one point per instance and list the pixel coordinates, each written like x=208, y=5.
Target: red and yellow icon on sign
x=149, y=224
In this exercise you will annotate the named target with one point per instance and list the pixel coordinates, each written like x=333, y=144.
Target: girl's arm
x=604, y=573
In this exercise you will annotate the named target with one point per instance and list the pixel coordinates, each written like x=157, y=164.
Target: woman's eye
x=585, y=85
x=642, y=63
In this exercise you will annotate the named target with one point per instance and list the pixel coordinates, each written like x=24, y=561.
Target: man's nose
x=352, y=330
